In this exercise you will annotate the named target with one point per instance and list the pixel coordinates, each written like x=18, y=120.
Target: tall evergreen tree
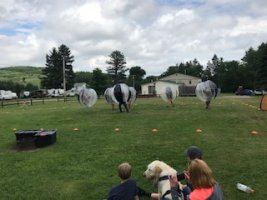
x=150, y=79
x=217, y=70
x=53, y=72
x=83, y=77
x=136, y=75
x=255, y=62
x=207, y=73
x=261, y=74
x=99, y=81
x=192, y=68
x=117, y=66
x=231, y=77
x=251, y=63
x=172, y=70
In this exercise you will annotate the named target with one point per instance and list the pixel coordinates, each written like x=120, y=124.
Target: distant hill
x=22, y=74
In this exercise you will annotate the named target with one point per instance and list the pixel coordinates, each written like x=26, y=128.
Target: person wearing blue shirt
x=127, y=189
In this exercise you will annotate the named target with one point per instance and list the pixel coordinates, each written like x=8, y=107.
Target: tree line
x=250, y=72
x=17, y=87
x=52, y=74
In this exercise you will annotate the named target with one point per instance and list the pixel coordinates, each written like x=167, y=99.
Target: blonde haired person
x=201, y=178
x=127, y=189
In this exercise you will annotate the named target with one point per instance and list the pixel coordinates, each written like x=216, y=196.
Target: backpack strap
x=217, y=193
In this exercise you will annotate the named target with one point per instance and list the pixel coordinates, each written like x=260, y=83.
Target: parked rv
x=7, y=94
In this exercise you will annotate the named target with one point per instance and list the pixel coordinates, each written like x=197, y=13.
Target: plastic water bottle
x=244, y=188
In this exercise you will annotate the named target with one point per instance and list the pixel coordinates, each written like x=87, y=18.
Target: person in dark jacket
x=127, y=188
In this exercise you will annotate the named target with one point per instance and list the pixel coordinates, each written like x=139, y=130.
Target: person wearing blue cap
x=193, y=152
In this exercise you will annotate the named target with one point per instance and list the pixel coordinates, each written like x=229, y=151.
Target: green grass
x=22, y=75
x=82, y=164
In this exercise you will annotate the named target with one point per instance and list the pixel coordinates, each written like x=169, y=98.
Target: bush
x=16, y=87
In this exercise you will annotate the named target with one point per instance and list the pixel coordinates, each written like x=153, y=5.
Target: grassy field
x=22, y=75
x=82, y=164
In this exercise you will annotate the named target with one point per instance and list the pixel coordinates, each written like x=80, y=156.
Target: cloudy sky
x=153, y=34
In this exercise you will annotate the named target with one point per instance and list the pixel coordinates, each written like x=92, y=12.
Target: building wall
x=159, y=87
x=182, y=79
x=145, y=88
x=174, y=80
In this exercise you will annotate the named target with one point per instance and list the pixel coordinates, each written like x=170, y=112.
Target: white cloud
x=248, y=25
x=151, y=35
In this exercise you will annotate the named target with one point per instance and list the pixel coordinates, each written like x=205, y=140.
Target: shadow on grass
x=23, y=146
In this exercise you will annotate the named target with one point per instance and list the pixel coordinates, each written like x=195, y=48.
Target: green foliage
x=228, y=75
x=22, y=75
x=83, y=77
x=230, y=78
x=10, y=85
x=192, y=68
x=99, y=81
x=251, y=64
x=117, y=66
x=256, y=63
x=149, y=79
x=24, y=69
x=96, y=80
x=53, y=72
x=17, y=87
x=261, y=75
x=135, y=78
x=83, y=164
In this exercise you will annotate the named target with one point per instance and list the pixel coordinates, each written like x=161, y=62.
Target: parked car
x=25, y=94
x=241, y=91
x=38, y=93
x=245, y=92
x=258, y=92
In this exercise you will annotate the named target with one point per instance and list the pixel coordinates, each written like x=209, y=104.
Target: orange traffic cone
x=116, y=129
x=254, y=132
x=199, y=130
x=154, y=130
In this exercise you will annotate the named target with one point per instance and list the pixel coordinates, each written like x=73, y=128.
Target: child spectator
x=193, y=152
x=127, y=188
